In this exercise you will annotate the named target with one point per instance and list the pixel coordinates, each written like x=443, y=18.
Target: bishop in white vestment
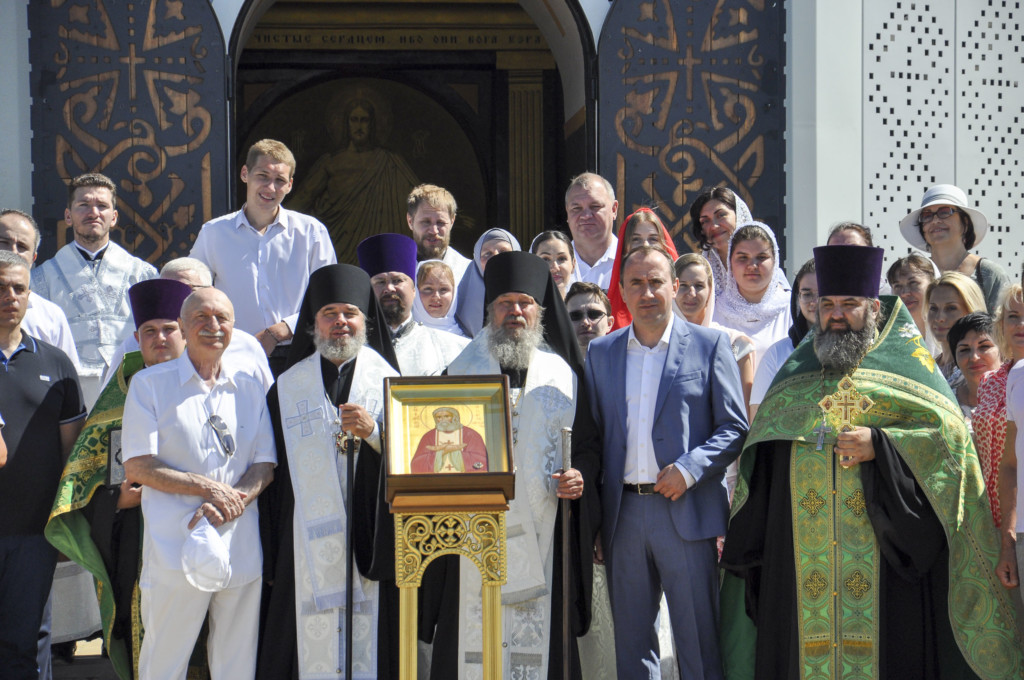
x=331, y=391
x=528, y=337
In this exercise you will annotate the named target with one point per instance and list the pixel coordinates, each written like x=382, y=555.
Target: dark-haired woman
x=947, y=227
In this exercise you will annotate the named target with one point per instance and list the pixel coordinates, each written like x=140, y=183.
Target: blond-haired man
x=431, y=214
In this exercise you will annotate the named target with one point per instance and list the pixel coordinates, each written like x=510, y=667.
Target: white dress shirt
x=1015, y=414
x=243, y=354
x=458, y=262
x=166, y=414
x=768, y=365
x=264, y=275
x=46, y=321
x=600, y=273
x=644, y=368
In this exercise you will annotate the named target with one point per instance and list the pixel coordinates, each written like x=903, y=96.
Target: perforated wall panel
x=943, y=104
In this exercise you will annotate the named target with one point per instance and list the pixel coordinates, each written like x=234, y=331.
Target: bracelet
x=271, y=334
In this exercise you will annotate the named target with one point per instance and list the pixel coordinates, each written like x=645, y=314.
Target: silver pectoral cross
x=821, y=431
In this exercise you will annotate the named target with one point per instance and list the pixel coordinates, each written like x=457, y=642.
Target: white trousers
x=172, y=615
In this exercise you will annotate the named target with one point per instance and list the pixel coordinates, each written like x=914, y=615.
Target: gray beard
x=339, y=349
x=842, y=350
x=448, y=427
x=513, y=349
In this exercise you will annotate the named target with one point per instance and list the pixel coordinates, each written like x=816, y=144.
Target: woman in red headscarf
x=642, y=228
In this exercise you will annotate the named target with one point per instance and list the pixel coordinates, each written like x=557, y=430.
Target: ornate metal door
x=135, y=90
x=691, y=96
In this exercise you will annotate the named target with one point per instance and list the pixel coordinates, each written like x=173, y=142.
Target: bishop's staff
x=350, y=449
x=566, y=557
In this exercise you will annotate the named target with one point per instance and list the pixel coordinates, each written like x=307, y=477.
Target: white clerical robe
x=545, y=404
x=425, y=351
x=94, y=297
x=319, y=474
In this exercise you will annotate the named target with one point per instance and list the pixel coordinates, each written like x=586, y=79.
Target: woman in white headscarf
x=714, y=216
x=755, y=298
x=695, y=302
x=470, y=307
x=435, y=286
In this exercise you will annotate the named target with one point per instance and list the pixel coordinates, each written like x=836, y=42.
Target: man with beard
x=449, y=447
x=197, y=438
x=431, y=216
x=860, y=524
x=390, y=260
x=89, y=279
x=528, y=338
x=332, y=389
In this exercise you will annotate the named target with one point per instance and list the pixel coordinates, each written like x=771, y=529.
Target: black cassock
x=439, y=593
x=915, y=637
x=373, y=539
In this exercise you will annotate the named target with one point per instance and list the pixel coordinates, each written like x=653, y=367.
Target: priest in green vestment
x=860, y=544
x=98, y=525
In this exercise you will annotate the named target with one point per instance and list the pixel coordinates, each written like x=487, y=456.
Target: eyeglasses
x=808, y=296
x=227, y=442
x=592, y=314
x=942, y=213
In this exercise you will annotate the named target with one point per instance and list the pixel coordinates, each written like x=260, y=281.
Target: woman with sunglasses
x=947, y=227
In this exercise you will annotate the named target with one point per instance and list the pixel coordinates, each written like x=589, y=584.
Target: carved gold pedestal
x=421, y=538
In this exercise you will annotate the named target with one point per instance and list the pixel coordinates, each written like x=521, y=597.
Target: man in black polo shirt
x=41, y=404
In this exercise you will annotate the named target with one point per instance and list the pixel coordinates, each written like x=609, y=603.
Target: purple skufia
x=387, y=253
x=157, y=299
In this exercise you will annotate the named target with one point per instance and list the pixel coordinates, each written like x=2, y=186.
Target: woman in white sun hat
x=947, y=228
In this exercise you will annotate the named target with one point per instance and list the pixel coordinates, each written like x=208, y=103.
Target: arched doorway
x=470, y=96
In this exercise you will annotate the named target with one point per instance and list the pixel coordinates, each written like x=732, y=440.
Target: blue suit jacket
x=699, y=421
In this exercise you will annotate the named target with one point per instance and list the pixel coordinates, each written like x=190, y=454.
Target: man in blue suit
x=668, y=403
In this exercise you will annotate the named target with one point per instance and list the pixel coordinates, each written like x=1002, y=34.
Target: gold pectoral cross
x=843, y=406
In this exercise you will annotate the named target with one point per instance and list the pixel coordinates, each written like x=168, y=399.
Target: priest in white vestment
x=331, y=391
x=528, y=337
x=89, y=279
x=390, y=260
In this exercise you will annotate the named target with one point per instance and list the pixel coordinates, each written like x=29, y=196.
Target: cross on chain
x=304, y=418
x=845, y=404
x=821, y=431
x=341, y=438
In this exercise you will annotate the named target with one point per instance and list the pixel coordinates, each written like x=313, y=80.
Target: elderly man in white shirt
x=262, y=255
x=44, y=320
x=591, y=208
x=244, y=352
x=197, y=436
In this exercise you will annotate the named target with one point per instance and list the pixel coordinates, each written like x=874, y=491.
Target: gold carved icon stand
x=444, y=513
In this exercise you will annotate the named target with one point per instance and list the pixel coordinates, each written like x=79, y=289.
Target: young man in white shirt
x=262, y=255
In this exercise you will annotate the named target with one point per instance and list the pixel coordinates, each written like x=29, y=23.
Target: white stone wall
x=943, y=104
